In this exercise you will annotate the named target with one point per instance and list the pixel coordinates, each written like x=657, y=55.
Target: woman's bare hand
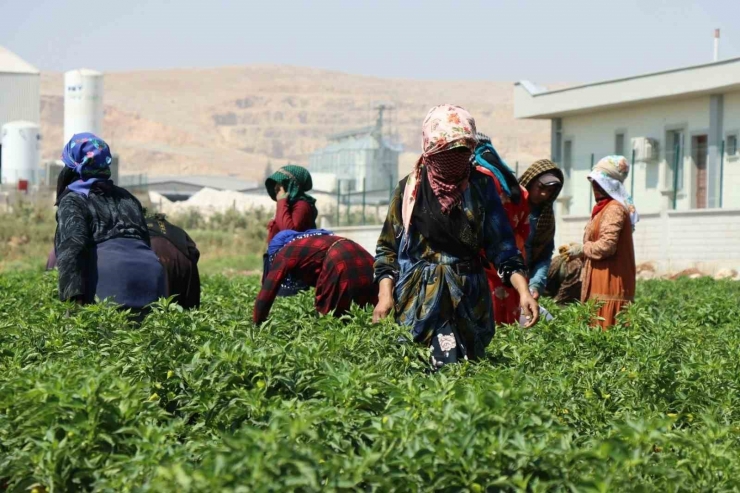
x=385, y=300
x=530, y=309
x=382, y=310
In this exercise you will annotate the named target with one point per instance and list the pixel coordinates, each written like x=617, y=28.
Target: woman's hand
x=574, y=251
x=280, y=192
x=529, y=306
x=385, y=300
x=530, y=309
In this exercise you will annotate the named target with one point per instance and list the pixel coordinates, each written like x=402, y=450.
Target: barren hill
x=234, y=120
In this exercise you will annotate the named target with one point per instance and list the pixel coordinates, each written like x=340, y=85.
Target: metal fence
x=367, y=207
x=362, y=207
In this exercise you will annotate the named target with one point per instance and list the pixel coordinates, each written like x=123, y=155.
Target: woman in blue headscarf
x=102, y=243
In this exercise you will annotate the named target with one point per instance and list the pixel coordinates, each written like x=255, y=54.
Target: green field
x=206, y=401
x=230, y=243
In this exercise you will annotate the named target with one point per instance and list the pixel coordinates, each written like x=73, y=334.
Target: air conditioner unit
x=646, y=149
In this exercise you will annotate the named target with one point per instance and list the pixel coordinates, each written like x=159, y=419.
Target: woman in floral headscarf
x=429, y=260
x=609, y=272
x=102, y=242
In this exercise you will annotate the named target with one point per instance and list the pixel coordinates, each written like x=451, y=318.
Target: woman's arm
x=530, y=307
x=538, y=272
x=386, y=255
x=500, y=247
x=72, y=242
x=612, y=221
x=386, y=250
x=498, y=237
x=385, y=300
x=284, y=263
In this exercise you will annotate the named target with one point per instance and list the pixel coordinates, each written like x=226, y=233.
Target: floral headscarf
x=610, y=173
x=90, y=157
x=445, y=127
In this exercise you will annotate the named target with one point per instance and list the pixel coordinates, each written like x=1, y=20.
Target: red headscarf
x=448, y=174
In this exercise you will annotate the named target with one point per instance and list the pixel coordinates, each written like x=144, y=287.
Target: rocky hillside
x=235, y=120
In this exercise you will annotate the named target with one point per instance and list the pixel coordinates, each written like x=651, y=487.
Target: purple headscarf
x=90, y=157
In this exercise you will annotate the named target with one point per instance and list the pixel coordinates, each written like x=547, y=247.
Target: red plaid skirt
x=346, y=276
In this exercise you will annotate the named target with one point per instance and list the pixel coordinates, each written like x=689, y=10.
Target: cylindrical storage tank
x=19, y=155
x=83, y=103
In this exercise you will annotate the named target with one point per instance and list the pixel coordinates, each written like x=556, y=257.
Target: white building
x=363, y=162
x=356, y=157
x=681, y=127
x=19, y=91
x=182, y=187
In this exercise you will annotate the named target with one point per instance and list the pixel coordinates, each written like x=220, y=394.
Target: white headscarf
x=610, y=173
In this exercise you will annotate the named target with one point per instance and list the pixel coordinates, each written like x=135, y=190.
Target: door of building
x=699, y=148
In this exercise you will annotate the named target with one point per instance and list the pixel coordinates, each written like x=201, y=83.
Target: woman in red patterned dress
x=506, y=309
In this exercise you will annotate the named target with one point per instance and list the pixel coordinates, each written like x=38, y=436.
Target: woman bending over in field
x=428, y=261
x=179, y=255
x=340, y=269
x=609, y=271
x=101, y=241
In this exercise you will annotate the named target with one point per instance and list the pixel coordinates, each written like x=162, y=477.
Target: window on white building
x=619, y=144
x=674, y=155
x=567, y=157
x=731, y=145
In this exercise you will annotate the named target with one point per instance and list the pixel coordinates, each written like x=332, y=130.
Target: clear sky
x=539, y=40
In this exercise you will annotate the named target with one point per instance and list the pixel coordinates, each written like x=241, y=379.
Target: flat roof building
x=680, y=129
x=182, y=187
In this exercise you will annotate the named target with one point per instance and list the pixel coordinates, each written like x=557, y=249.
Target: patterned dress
x=444, y=300
x=506, y=309
x=564, y=280
x=609, y=273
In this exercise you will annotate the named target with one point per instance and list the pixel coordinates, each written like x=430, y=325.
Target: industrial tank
x=83, y=103
x=19, y=154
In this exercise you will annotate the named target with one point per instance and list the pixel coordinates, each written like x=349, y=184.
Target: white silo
x=83, y=103
x=19, y=155
x=19, y=89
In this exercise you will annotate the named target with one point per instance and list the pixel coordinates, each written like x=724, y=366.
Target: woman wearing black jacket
x=102, y=243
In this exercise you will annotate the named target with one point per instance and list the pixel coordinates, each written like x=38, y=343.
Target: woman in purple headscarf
x=102, y=242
